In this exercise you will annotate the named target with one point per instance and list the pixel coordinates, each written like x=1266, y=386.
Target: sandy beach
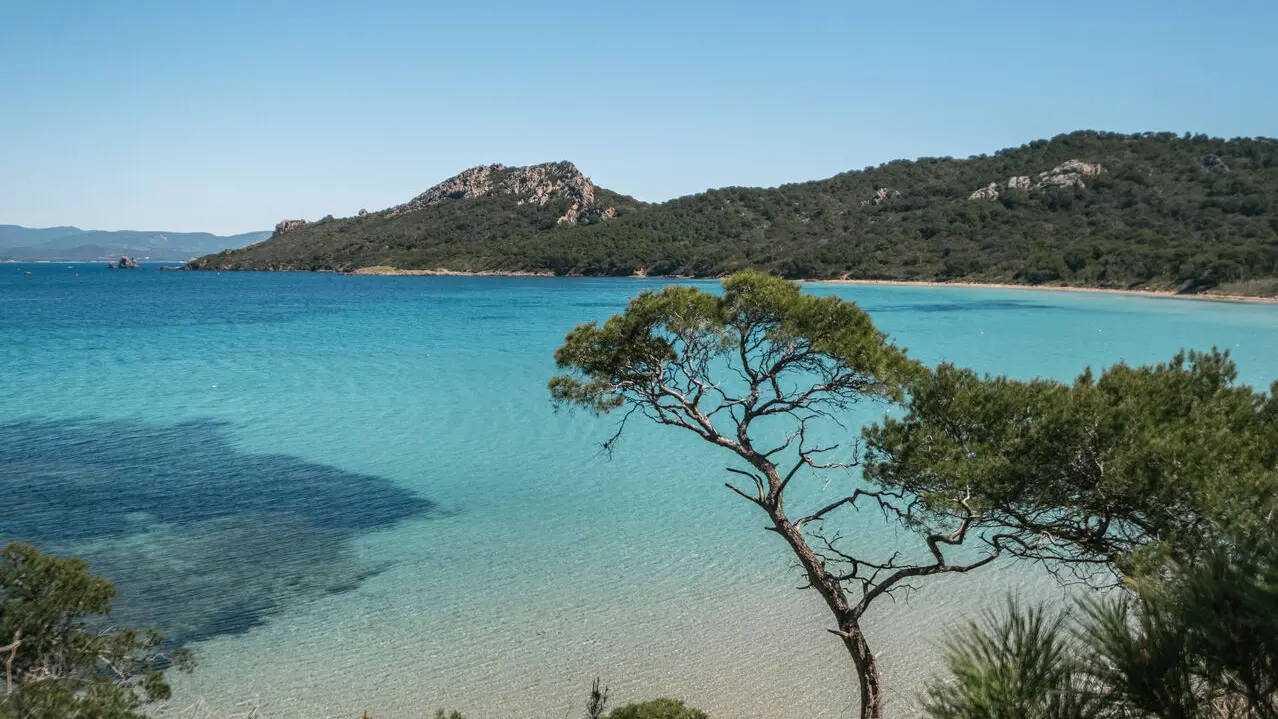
x=394, y=271
x=1056, y=288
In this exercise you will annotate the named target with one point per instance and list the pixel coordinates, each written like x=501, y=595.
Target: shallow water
x=351, y=493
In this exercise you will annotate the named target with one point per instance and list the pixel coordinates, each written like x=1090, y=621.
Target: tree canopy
x=1098, y=474
x=61, y=660
x=1164, y=477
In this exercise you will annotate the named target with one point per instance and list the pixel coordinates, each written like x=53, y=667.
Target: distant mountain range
x=72, y=244
x=1184, y=213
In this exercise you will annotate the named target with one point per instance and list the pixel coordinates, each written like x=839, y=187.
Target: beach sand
x=1054, y=288
x=1214, y=297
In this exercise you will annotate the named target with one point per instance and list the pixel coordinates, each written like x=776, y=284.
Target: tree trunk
x=845, y=616
x=867, y=671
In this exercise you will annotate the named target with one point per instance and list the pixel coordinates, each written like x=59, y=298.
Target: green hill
x=1187, y=213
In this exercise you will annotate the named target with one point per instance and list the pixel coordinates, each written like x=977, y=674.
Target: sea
x=352, y=494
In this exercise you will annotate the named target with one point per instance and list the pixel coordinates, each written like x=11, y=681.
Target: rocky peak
x=285, y=225
x=534, y=184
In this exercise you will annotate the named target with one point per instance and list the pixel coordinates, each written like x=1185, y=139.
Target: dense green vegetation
x=1121, y=470
x=60, y=658
x=1164, y=477
x=1198, y=640
x=1137, y=477
x=485, y=233
x=1186, y=213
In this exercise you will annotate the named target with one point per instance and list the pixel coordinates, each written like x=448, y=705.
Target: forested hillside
x=1187, y=213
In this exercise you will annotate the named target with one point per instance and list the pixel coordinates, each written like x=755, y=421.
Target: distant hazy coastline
x=72, y=244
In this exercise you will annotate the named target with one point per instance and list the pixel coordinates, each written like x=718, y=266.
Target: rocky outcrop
x=880, y=196
x=535, y=184
x=469, y=184
x=1067, y=174
x=989, y=192
x=285, y=225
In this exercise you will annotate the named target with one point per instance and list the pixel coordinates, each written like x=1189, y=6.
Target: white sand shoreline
x=396, y=272
x=1056, y=288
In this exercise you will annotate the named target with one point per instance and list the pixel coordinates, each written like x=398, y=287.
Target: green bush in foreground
x=657, y=709
x=1198, y=640
x=597, y=706
x=59, y=661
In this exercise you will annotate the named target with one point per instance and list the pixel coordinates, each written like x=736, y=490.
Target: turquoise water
x=351, y=493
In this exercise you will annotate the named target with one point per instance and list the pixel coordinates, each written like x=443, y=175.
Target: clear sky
x=228, y=116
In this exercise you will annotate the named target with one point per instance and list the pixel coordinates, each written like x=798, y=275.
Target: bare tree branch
x=12, y=648
x=758, y=483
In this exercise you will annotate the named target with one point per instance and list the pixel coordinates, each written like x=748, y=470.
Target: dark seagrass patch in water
x=201, y=538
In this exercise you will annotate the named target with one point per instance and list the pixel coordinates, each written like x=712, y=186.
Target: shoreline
x=386, y=271
x=1161, y=294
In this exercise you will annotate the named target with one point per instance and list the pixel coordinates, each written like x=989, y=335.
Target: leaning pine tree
x=732, y=370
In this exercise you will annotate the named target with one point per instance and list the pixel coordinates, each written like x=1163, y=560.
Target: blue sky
x=229, y=116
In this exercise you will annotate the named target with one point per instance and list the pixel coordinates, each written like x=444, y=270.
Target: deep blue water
x=351, y=493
